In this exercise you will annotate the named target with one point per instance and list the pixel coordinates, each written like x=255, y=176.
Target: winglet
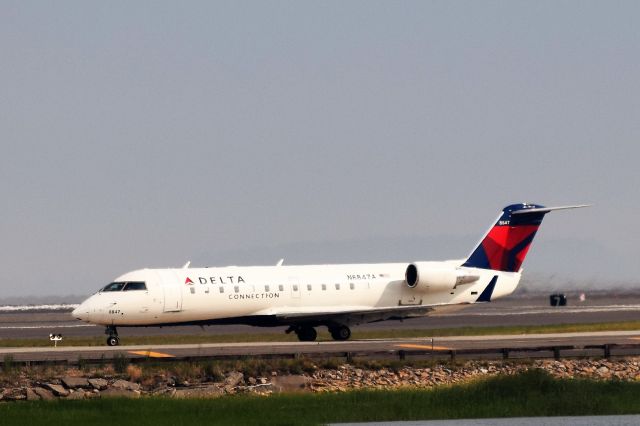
x=280, y=262
x=186, y=265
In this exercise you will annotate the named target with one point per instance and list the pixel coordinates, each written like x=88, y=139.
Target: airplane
x=308, y=296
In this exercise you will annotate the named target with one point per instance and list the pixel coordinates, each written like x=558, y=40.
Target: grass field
x=530, y=394
x=99, y=340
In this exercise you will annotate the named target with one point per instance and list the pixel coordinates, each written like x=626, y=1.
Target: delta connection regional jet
x=310, y=296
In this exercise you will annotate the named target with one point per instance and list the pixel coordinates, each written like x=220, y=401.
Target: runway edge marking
x=151, y=354
x=429, y=347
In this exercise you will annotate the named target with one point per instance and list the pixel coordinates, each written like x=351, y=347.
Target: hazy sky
x=145, y=134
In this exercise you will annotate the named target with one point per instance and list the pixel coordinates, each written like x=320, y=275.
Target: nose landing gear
x=112, y=340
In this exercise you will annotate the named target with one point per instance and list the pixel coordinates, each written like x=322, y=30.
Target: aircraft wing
x=354, y=315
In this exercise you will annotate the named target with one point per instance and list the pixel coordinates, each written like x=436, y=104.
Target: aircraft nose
x=81, y=312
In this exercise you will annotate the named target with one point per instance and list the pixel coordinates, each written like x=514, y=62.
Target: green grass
x=533, y=393
x=323, y=335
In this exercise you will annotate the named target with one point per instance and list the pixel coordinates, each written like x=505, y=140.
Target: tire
x=113, y=341
x=307, y=334
x=341, y=332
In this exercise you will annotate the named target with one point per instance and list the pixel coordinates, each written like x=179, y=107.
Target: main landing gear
x=340, y=332
x=112, y=340
x=307, y=333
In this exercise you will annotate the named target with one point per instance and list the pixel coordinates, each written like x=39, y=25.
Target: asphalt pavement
x=523, y=311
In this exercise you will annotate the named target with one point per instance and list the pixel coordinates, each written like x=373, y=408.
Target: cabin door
x=172, y=298
x=172, y=292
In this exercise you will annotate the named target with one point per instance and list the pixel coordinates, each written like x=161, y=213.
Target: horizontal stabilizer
x=548, y=209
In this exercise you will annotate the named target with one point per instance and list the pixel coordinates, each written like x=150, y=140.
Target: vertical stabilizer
x=505, y=246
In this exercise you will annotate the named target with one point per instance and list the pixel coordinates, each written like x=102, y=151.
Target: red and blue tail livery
x=506, y=244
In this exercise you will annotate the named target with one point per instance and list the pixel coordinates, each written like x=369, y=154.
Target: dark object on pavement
x=558, y=299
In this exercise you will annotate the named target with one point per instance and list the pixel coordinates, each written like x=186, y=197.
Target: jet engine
x=432, y=277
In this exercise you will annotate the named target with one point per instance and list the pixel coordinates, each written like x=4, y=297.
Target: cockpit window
x=113, y=287
x=135, y=285
x=125, y=286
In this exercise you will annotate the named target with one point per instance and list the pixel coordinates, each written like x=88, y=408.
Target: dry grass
x=533, y=393
x=134, y=372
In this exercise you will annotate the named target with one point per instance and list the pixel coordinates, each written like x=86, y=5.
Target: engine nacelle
x=433, y=277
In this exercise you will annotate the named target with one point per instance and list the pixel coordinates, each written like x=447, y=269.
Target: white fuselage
x=310, y=296
x=174, y=296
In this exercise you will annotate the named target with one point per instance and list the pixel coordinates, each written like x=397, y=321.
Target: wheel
x=113, y=341
x=307, y=334
x=341, y=332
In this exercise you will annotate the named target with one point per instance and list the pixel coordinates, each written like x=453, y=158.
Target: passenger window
x=352, y=286
x=309, y=287
x=135, y=285
x=295, y=287
x=221, y=289
x=280, y=287
x=337, y=286
x=324, y=286
x=193, y=290
x=266, y=288
x=236, y=289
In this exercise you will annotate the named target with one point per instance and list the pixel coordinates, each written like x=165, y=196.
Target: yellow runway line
x=151, y=354
x=428, y=347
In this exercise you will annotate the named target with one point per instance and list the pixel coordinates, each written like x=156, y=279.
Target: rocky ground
x=78, y=384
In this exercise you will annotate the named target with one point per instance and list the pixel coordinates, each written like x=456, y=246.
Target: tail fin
x=506, y=244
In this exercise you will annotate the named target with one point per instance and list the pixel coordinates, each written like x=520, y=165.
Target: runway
x=511, y=311
x=629, y=341
x=524, y=311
